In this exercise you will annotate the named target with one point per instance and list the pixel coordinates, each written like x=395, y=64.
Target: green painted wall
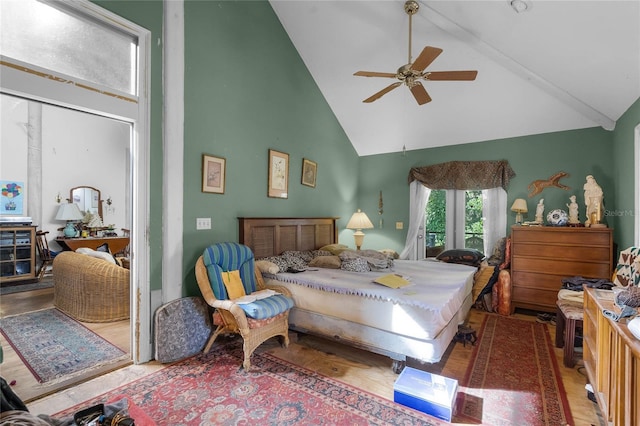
x=248, y=91
x=578, y=152
x=149, y=15
x=623, y=213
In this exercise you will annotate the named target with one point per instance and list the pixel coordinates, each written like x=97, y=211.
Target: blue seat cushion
x=268, y=307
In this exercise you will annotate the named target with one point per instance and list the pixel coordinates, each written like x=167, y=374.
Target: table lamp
x=519, y=206
x=69, y=212
x=359, y=221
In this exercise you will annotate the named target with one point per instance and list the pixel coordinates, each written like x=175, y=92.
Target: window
x=56, y=37
x=454, y=218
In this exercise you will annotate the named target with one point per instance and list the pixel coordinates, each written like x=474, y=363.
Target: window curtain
x=494, y=205
x=493, y=176
x=418, y=196
x=467, y=175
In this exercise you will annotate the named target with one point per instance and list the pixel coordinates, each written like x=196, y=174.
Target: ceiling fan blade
x=374, y=74
x=428, y=55
x=450, y=75
x=382, y=92
x=420, y=93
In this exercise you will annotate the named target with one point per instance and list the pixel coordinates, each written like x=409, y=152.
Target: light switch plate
x=203, y=223
x=399, y=225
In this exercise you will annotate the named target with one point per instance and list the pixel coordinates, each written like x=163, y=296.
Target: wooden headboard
x=270, y=236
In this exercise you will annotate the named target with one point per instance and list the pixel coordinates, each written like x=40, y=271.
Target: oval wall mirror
x=87, y=198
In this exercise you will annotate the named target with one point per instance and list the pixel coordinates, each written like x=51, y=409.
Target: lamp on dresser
x=359, y=221
x=519, y=206
x=71, y=213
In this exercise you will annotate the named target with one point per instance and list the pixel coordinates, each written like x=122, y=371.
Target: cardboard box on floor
x=430, y=393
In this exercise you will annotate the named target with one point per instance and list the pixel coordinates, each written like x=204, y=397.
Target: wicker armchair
x=231, y=317
x=90, y=289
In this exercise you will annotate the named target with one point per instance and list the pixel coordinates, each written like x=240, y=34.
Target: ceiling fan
x=411, y=73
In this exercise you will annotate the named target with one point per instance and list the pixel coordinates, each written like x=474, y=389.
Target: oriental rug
x=513, y=377
x=212, y=389
x=53, y=345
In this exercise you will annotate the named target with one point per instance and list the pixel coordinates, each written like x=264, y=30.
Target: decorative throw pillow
x=97, y=254
x=233, y=284
x=390, y=253
x=334, y=249
x=356, y=264
x=470, y=257
x=329, y=262
x=267, y=267
x=279, y=261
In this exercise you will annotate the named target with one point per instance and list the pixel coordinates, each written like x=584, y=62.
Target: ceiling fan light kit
x=411, y=73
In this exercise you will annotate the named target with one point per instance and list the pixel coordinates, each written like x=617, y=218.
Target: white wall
x=78, y=149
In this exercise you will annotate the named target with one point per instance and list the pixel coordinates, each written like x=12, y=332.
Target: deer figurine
x=537, y=186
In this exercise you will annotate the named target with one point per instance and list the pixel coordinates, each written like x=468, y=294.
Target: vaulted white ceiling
x=559, y=65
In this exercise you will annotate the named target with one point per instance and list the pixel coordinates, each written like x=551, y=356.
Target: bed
x=418, y=321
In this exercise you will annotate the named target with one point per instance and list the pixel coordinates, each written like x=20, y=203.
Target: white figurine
x=540, y=211
x=593, y=200
x=573, y=210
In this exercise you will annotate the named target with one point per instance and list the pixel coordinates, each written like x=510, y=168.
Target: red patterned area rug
x=212, y=390
x=513, y=378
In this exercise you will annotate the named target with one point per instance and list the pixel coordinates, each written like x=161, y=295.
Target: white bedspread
x=432, y=283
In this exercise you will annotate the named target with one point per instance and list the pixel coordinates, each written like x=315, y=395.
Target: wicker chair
x=231, y=317
x=90, y=289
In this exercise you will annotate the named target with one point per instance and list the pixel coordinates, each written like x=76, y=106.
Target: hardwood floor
x=26, y=386
x=359, y=368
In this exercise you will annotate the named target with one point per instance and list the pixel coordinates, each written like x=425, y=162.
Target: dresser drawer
x=565, y=252
x=561, y=267
x=564, y=236
x=537, y=280
x=535, y=296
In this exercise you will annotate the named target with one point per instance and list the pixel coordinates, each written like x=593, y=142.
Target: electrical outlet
x=203, y=223
x=399, y=225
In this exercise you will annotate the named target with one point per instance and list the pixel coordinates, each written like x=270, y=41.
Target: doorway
x=67, y=148
x=52, y=86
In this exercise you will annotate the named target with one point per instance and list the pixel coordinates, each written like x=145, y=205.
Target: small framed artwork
x=309, y=172
x=278, y=174
x=213, y=174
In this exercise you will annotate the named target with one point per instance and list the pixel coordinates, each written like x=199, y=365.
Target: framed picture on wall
x=213, y=174
x=278, y=174
x=309, y=172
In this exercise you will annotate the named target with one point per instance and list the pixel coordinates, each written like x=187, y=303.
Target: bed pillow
x=470, y=257
x=267, y=267
x=390, y=253
x=279, y=261
x=334, y=249
x=329, y=262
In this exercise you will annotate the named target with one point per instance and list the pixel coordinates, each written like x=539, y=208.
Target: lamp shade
x=519, y=206
x=69, y=211
x=359, y=220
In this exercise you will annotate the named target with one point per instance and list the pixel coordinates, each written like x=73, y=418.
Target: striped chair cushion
x=224, y=257
x=268, y=307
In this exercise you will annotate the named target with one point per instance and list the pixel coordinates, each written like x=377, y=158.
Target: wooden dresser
x=612, y=360
x=541, y=256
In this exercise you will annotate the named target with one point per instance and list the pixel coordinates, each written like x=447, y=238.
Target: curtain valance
x=472, y=175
